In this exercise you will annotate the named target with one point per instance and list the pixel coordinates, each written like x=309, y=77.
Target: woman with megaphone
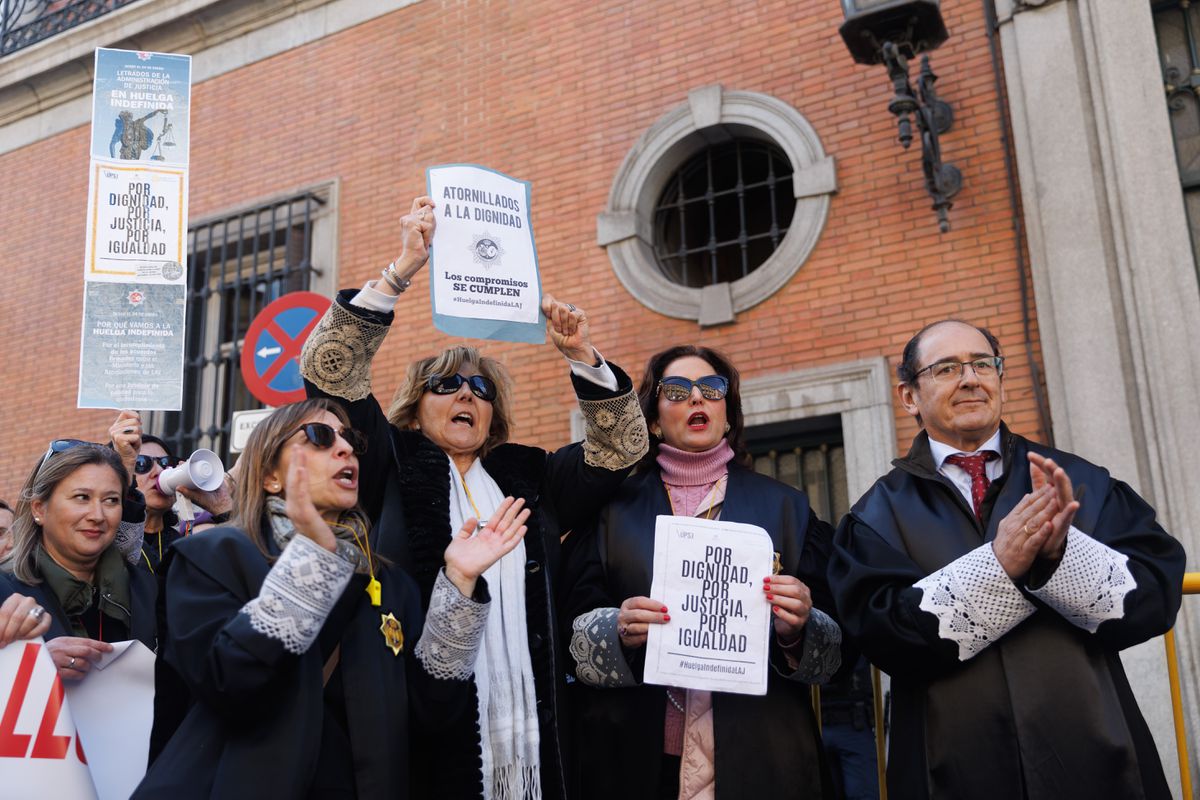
x=159, y=475
x=302, y=649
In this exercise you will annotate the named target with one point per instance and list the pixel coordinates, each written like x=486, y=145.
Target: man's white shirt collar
x=941, y=451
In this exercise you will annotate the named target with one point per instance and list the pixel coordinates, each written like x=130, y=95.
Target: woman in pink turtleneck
x=643, y=742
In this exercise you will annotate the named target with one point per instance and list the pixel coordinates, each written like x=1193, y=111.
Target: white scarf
x=508, y=720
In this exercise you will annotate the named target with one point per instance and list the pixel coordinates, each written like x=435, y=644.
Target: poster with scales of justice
x=709, y=573
x=132, y=336
x=483, y=268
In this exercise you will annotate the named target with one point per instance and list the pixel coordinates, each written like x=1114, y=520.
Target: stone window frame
x=860, y=391
x=710, y=115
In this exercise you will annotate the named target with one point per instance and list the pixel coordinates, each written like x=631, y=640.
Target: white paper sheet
x=708, y=574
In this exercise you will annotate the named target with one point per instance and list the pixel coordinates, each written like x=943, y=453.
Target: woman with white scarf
x=441, y=455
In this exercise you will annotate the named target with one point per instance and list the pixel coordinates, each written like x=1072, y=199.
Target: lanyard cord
x=471, y=500
x=364, y=546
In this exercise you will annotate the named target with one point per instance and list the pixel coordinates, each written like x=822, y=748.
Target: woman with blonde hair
x=442, y=454
x=303, y=648
x=67, y=556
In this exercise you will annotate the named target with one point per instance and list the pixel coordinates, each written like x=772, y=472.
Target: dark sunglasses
x=143, y=464
x=61, y=446
x=322, y=436
x=677, y=389
x=481, y=387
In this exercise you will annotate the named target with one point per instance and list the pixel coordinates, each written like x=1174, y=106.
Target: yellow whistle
x=375, y=592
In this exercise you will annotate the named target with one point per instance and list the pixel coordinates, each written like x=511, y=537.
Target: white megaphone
x=203, y=471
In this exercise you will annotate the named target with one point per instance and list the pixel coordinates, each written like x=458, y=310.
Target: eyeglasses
x=946, y=371
x=677, y=389
x=61, y=446
x=481, y=387
x=322, y=436
x=143, y=464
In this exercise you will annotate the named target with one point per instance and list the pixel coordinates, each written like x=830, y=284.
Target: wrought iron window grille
x=808, y=454
x=237, y=264
x=723, y=213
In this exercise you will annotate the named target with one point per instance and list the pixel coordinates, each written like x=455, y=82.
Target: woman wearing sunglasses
x=441, y=454
x=146, y=457
x=302, y=646
x=65, y=555
x=649, y=742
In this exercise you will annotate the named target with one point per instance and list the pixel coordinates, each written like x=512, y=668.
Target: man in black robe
x=997, y=580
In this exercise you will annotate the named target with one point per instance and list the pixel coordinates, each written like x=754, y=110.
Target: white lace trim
x=974, y=600
x=1090, y=584
x=454, y=626
x=596, y=648
x=130, y=536
x=298, y=593
x=822, y=652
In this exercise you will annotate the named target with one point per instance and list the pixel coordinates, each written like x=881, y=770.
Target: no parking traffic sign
x=271, y=349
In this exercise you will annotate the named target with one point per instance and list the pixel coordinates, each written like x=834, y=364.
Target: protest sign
x=483, y=271
x=132, y=339
x=131, y=352
x=141, y=106
x=40, y=751
x=709, y=574
x=116, y=697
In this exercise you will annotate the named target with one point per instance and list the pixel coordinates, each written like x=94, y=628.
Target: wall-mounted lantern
x=890, y=32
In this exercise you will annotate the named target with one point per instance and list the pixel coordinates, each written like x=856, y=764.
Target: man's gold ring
x=1027, y=531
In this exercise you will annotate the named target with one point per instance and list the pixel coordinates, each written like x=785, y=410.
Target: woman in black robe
x=296, y=640
x=644, y=742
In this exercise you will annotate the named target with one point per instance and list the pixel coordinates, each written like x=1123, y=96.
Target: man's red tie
x=974, y=466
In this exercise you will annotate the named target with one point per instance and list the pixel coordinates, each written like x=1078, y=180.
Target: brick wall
x=556, y=94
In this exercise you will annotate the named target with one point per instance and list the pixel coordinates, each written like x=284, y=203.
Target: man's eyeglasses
x=481, y=387
x=322, y=436
x=677, y=389
x=946, y=371
x=143, y=464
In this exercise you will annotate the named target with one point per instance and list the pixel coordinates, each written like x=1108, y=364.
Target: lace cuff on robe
x=596, y=648
x=1090, y=583
x=130, y=536
x=454, y=628
x=298, y=593
x=615, y=435
x=820, y=655
x=337, y=356
x=974, y=600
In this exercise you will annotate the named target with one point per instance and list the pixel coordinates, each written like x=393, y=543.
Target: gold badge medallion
x=393, y=636
x=777, y=564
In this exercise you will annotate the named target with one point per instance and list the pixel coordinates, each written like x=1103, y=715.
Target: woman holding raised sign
x=440, y=455
x=647, y=742
x=303, y=648
x=66, y=555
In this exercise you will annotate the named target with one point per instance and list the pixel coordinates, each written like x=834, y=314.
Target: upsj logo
x=486, y=250
x=144, y=56
x=136, y=297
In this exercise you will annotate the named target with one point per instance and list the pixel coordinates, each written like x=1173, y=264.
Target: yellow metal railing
x=1191, y=585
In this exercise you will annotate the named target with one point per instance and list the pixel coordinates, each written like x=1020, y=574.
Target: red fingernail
x=666, y=617
x=664, y=609
x=770, y=597
x=775, y=609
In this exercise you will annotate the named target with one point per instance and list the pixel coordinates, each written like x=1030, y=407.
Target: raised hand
x=299, y=505
x=126, y=436
x=472, y=552
x=416, y=236
x=567, y=327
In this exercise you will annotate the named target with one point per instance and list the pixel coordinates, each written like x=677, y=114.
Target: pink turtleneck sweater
x=695, y=487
